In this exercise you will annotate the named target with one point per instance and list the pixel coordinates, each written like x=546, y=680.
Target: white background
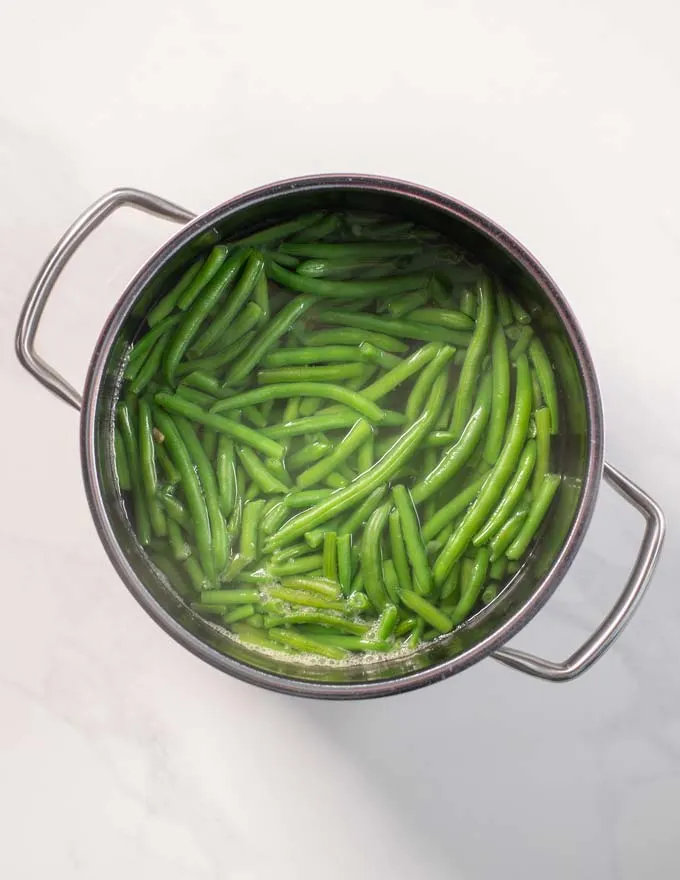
x=123, y=756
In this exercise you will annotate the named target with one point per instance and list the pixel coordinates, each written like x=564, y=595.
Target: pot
x=580, y=452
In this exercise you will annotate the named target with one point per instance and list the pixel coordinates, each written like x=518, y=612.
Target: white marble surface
x=121, y=754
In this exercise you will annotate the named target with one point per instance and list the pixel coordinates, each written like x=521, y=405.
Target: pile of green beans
x=333, y=436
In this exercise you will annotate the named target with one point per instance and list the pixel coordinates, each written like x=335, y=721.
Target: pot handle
x=75, y=235
x=595, y=646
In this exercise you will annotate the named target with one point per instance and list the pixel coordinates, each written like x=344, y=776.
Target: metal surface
x=580, y=457
x=53, y=266
x=615, y=622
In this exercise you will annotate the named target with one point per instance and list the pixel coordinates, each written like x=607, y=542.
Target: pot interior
x=577, y=451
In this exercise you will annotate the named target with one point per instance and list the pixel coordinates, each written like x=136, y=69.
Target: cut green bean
x=362, y=512
x=500, y=401
x=508, y=532
x=359, y=401
x=546, y=380
x=175, y=404
x=375, y=355
x=167, y=304
x=537, y=511
x=398, y=328
x=415, y=547
x=344, y=561
x=147, y=468
x=473, y=587
x=467, y=384
x=206, y=274
x=121, y=462
x=399, y=554
x=225, y=472
x=356, y=437
x=124, y=418
x=352, y=336
x=320, y=354
x=306, y=644
x=259, y=474
x=371, y=564
x=426, y=610
x=331, y=373
x=496, y=480
x=511, y=496
x=301, y=565
x=330, y=556
x=282, y=230
x=423, y=384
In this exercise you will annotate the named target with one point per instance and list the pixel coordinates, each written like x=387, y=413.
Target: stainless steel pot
x=581, y=453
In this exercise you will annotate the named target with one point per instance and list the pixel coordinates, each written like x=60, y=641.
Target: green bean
x=451, y=583
x=323, y=586
x=248, y=635
x=371, y=565
x=176, y=510
x=522, y=342
x=274, y=330
x=498, y=569
x=174, y=574
x=206, y=274
x=321, y=354
x=301, y=565
x=473, y=360
x=399, y=555
x=141, y=349
x=415, y=547
x=507, y=533
x=203, y=382
x=261, y=295
x=209, y=442
x=511, y=496
x=443, y=318
x=366, y=454
x=309, y=406
x=456, y=456
x=306, y=497
x=192, y=489
x=394, y=327
x=314, y=538
x=359, y=402
x=320, y=229
x=121, y=465
x=359, y=251
x=363, y=511
x=503, y=307
x=536, y=390
x=426, y=610
x=197, y=576
x=305, y=598
x=252, y=513
x=500, y=402
x=165, y=462
x=225, y=471
x=340, y=268
x=193, y=395
x=356, y=437
x=307, y=644
x=537, y=511
x=142, y=523
x=473, y=587
x=353, y=643
x=468, y=303
x=241, y=612
x=321, y=287
x=282, y=230
x=175, y=404
x=233, y=596
x=199, y=311
x=151, y=366
x=391, y=581
x=178, y=545
x=276, y=467
x=352, y=336
x=520, y=315
x=405, y=626
x=259, y=474
x=147, y=468
x=380, y=473
x=233, y=305
x=206, y=476
x=331, y=373
x=546, y=379
x=543, y=421
x=283, y=259
x=330, y=556
x=273, y=519
x=394, y=377
x=424, y=381
x=165, y=305
x=234, y=341
x=403, y=305
x=327, y=620
x=375, y=355
x=309, y=454
x=344, y=560
x=497, y=479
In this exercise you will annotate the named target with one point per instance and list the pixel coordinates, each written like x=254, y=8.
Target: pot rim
x=591, y=480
